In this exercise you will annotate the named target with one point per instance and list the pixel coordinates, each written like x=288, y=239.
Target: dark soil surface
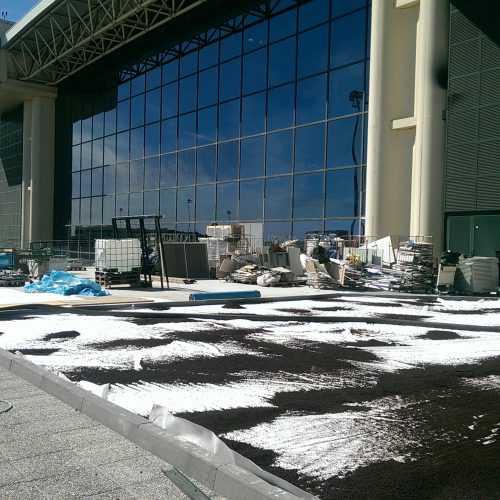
x=35, y=352
x=398, y=317
x=70, y=334
x=451, y=417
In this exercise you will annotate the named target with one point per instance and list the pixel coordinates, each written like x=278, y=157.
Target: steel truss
x=75, y=33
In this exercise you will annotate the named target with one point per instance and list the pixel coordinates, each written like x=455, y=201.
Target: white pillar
x=42, y=168
x=391, y=97
x=428, y=178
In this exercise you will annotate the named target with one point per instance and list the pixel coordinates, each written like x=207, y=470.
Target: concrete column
x=429, y=161
x=391, y=97
x=42, y=168
x=26, y=182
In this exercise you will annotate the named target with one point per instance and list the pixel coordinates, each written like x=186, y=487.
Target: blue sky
x=16, y=8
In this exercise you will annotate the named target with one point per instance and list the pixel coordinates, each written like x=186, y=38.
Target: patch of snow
x=484, y=383
x=335, y=444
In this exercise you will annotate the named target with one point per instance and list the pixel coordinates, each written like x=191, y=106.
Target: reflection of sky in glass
x=308, y=195
x=340, y=142
x=348, y=40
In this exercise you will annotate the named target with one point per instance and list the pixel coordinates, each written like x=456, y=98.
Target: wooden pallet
x=107, y=280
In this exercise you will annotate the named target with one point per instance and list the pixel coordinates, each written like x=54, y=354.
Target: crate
x=118, y=256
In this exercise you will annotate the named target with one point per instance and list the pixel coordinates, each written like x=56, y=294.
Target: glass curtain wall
x=267, y=125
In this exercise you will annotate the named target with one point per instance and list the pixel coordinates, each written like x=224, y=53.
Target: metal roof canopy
x=57, y=38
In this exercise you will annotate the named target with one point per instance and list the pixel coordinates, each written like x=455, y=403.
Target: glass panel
x=110, y=122
x=229, y=120
x=97, y=181
x=277, y=231
x=251, y=198
x=278, y=198
x=230, y=47
x=230, y=80
x=169, y=135
x=123, y=115
x=108, y=209
x=185, y=204
x=346, y=90
x=136, y=206
x=187, y=130
x=152, y=173
x=187, y=94
x=77, y=132
x=302, y=226
x=254, y=71
x=228, y=161
x=227, y=202
x=151, y=203
x=209, y=55
x=109, y=179
x=171, y=71
x=207, y=87
x=75, y=211
x=313, y=13
x=167, y=204
x=169, y=100
x=86, y=183
x=255, y=37
x=152, y=140
x=310, y=148
x=87, y=129
x=98, y=126
x=252, y=157
x=343, y=227
x=137, y=175
x=342, y=192
x=206, y=164
x=253, y=114
x=205, y=203
x=122, y=174
x=153, y=78
x=168, y=171
x=137, y=85
x=87, y=155
x=137, y=143
x=279, y=158
x=281, y=107
x=96, y=210
x=189, y=63
x=311, y=99
x=344, y=142
x=348, y=39
x=340, y=7
x=137, y=111
x=283, y=25
x=122, y=205
x=75, y=185
x=85, y=211
x=308, y=196
x=207, y=125
x=313, y=51
x=122, y=147
x=75, y=160
x=110, y=150
x=282, y=62
x=153, y=106
x=186, y=167
x=123, y=91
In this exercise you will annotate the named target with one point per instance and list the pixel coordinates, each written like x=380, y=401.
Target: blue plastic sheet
x=65, y=284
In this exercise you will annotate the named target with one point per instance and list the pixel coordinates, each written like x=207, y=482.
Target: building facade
x=286, y=116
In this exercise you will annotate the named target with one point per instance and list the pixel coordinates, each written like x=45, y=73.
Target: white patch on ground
x=490, y=439
x=122, y=359
x=484, y=383
x=253, y=392
x=335, y=444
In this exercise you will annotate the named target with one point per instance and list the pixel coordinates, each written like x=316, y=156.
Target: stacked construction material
x=477, y=275
x=415, y=264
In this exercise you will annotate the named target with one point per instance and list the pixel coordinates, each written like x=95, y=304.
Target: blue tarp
x=65, y=284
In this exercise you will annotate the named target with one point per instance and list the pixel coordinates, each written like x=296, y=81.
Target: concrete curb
x=225, y=479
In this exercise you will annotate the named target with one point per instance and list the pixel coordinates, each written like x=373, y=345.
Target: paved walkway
x=48, y=450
